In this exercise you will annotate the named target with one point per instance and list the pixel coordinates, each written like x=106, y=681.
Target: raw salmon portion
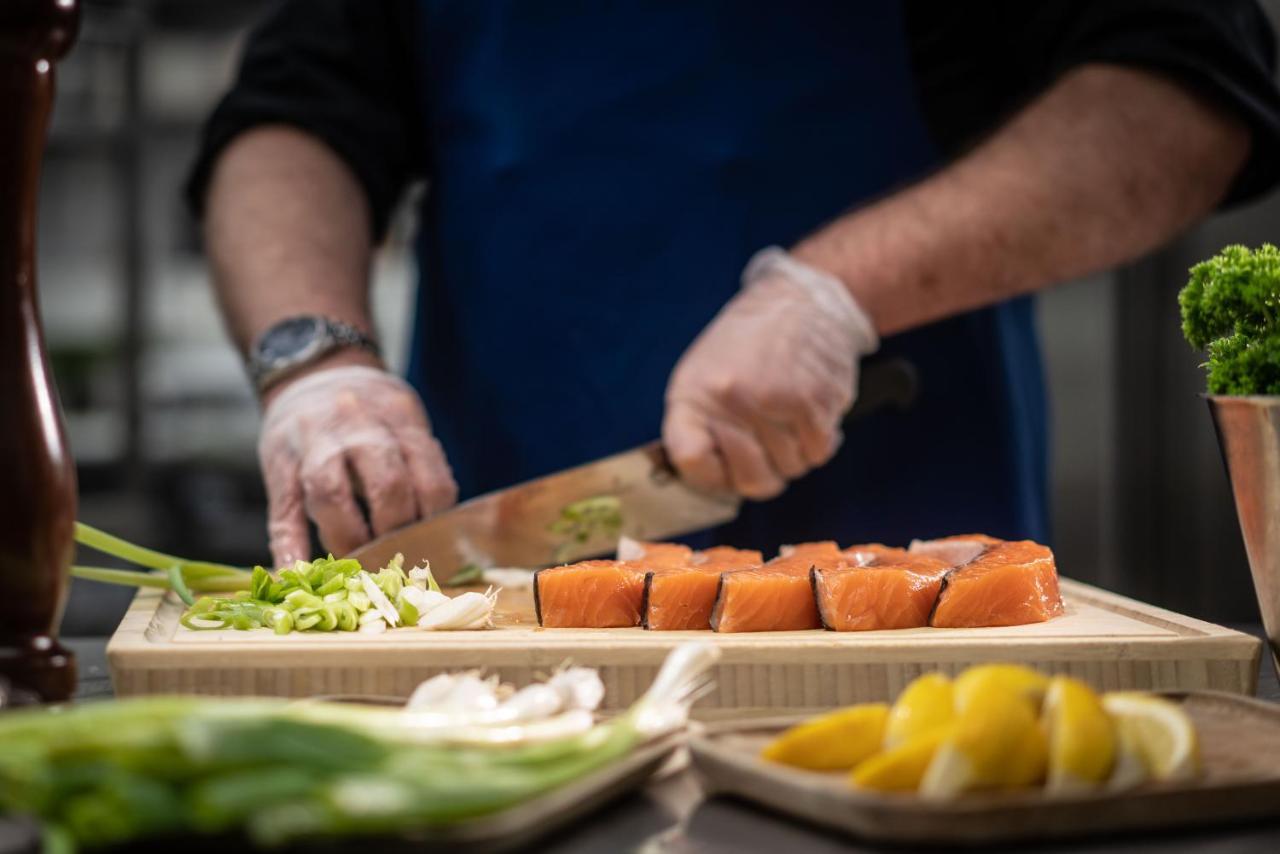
x=595, y=594
x=822, y=548
x=633, y=550
x=1009, y=584
x=728, y=557
x=869, y=553
x=889, y=593
x=954, y=550
x=776, y=597
x=682, y=598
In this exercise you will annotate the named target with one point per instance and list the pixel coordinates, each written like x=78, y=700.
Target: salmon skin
x=889, y=592
x=681, y=598
x=592, y=594
x=776, y=597
x=1007, y=584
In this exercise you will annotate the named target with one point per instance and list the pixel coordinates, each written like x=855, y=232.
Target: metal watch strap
x=346, y=335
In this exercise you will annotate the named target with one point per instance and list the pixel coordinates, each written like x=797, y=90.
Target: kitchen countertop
x=673, y=816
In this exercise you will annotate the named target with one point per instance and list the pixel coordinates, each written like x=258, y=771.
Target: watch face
x=289, y=339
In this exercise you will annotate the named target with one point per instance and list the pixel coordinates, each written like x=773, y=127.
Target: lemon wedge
x=836, y=741
x=997, y=743
x=924, y=705
x=1081, y=738
x=980, y=680
x=1158, y=731
x=901, y=768
x=1130, y=769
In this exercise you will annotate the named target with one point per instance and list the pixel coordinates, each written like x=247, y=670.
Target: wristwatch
x=296, y=342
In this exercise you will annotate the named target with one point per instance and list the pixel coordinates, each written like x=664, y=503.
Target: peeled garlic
x=579, y=687
x=532, y=702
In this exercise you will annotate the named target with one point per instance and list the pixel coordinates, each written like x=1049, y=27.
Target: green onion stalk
x=116, y=772
x=324, y=595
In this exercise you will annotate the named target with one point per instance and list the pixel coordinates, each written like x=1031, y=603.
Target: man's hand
x=757, y=400
x=340, y=433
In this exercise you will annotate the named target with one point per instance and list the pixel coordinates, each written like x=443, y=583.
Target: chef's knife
x=525, y=525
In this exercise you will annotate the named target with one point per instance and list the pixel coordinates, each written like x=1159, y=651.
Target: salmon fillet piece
x=728, y=557
x=592, y=594
x=1008, y=584
x=866, y=554
x=822, y=548
x=776, y=597
x=890, y=592
x=954, y=550
x=681, y=598
x=633, y=550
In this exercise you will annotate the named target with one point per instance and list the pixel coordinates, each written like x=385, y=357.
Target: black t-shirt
x=343, y=70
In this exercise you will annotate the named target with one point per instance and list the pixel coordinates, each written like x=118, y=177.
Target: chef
x=696, y=219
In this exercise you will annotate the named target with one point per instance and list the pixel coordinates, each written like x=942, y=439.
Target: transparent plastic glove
x=757, y=399
x=341, y=433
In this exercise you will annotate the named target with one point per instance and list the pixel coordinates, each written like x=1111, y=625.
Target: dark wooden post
x=37, y=473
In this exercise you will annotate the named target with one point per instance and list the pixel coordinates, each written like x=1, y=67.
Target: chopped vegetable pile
x=1231, y=308
x=278, y=771
x=325, y=595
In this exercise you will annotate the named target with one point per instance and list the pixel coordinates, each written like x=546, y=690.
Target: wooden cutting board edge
x=1182, y=652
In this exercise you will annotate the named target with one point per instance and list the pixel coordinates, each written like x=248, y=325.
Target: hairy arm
x=1107, y=164
x=287, y=231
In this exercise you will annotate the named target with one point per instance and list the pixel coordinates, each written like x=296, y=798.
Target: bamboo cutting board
x=1240, y=754
x=1107, y=640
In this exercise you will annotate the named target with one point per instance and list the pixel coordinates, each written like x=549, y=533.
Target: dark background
x=163, y=425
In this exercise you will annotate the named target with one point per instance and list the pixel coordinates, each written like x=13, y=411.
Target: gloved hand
x=343, y=432
x=757, y=399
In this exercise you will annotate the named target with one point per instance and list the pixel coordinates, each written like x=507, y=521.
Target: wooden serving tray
x=1240, y=749
x=1107, y=640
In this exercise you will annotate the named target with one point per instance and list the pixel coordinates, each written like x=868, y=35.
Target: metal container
x=1249, y=436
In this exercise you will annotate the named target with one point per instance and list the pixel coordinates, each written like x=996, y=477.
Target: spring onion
x=122, y=771
x=325, y=595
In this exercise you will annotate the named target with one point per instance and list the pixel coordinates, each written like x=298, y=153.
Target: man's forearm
x=287, y=233
x=1105, y=166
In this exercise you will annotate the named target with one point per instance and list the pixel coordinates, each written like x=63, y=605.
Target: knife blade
x=524, y=525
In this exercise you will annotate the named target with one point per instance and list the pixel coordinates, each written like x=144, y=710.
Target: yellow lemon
x=976, y=681
x=1130, y=769
x=901, y=768
x=835, y=741
x=1159, y=731
x=924, y=705
x=997, y=743
x=1082, y=744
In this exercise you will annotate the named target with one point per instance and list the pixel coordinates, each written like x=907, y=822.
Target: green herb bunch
x=1231, y=309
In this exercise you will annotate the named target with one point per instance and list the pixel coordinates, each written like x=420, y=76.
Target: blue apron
x=601, y=171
